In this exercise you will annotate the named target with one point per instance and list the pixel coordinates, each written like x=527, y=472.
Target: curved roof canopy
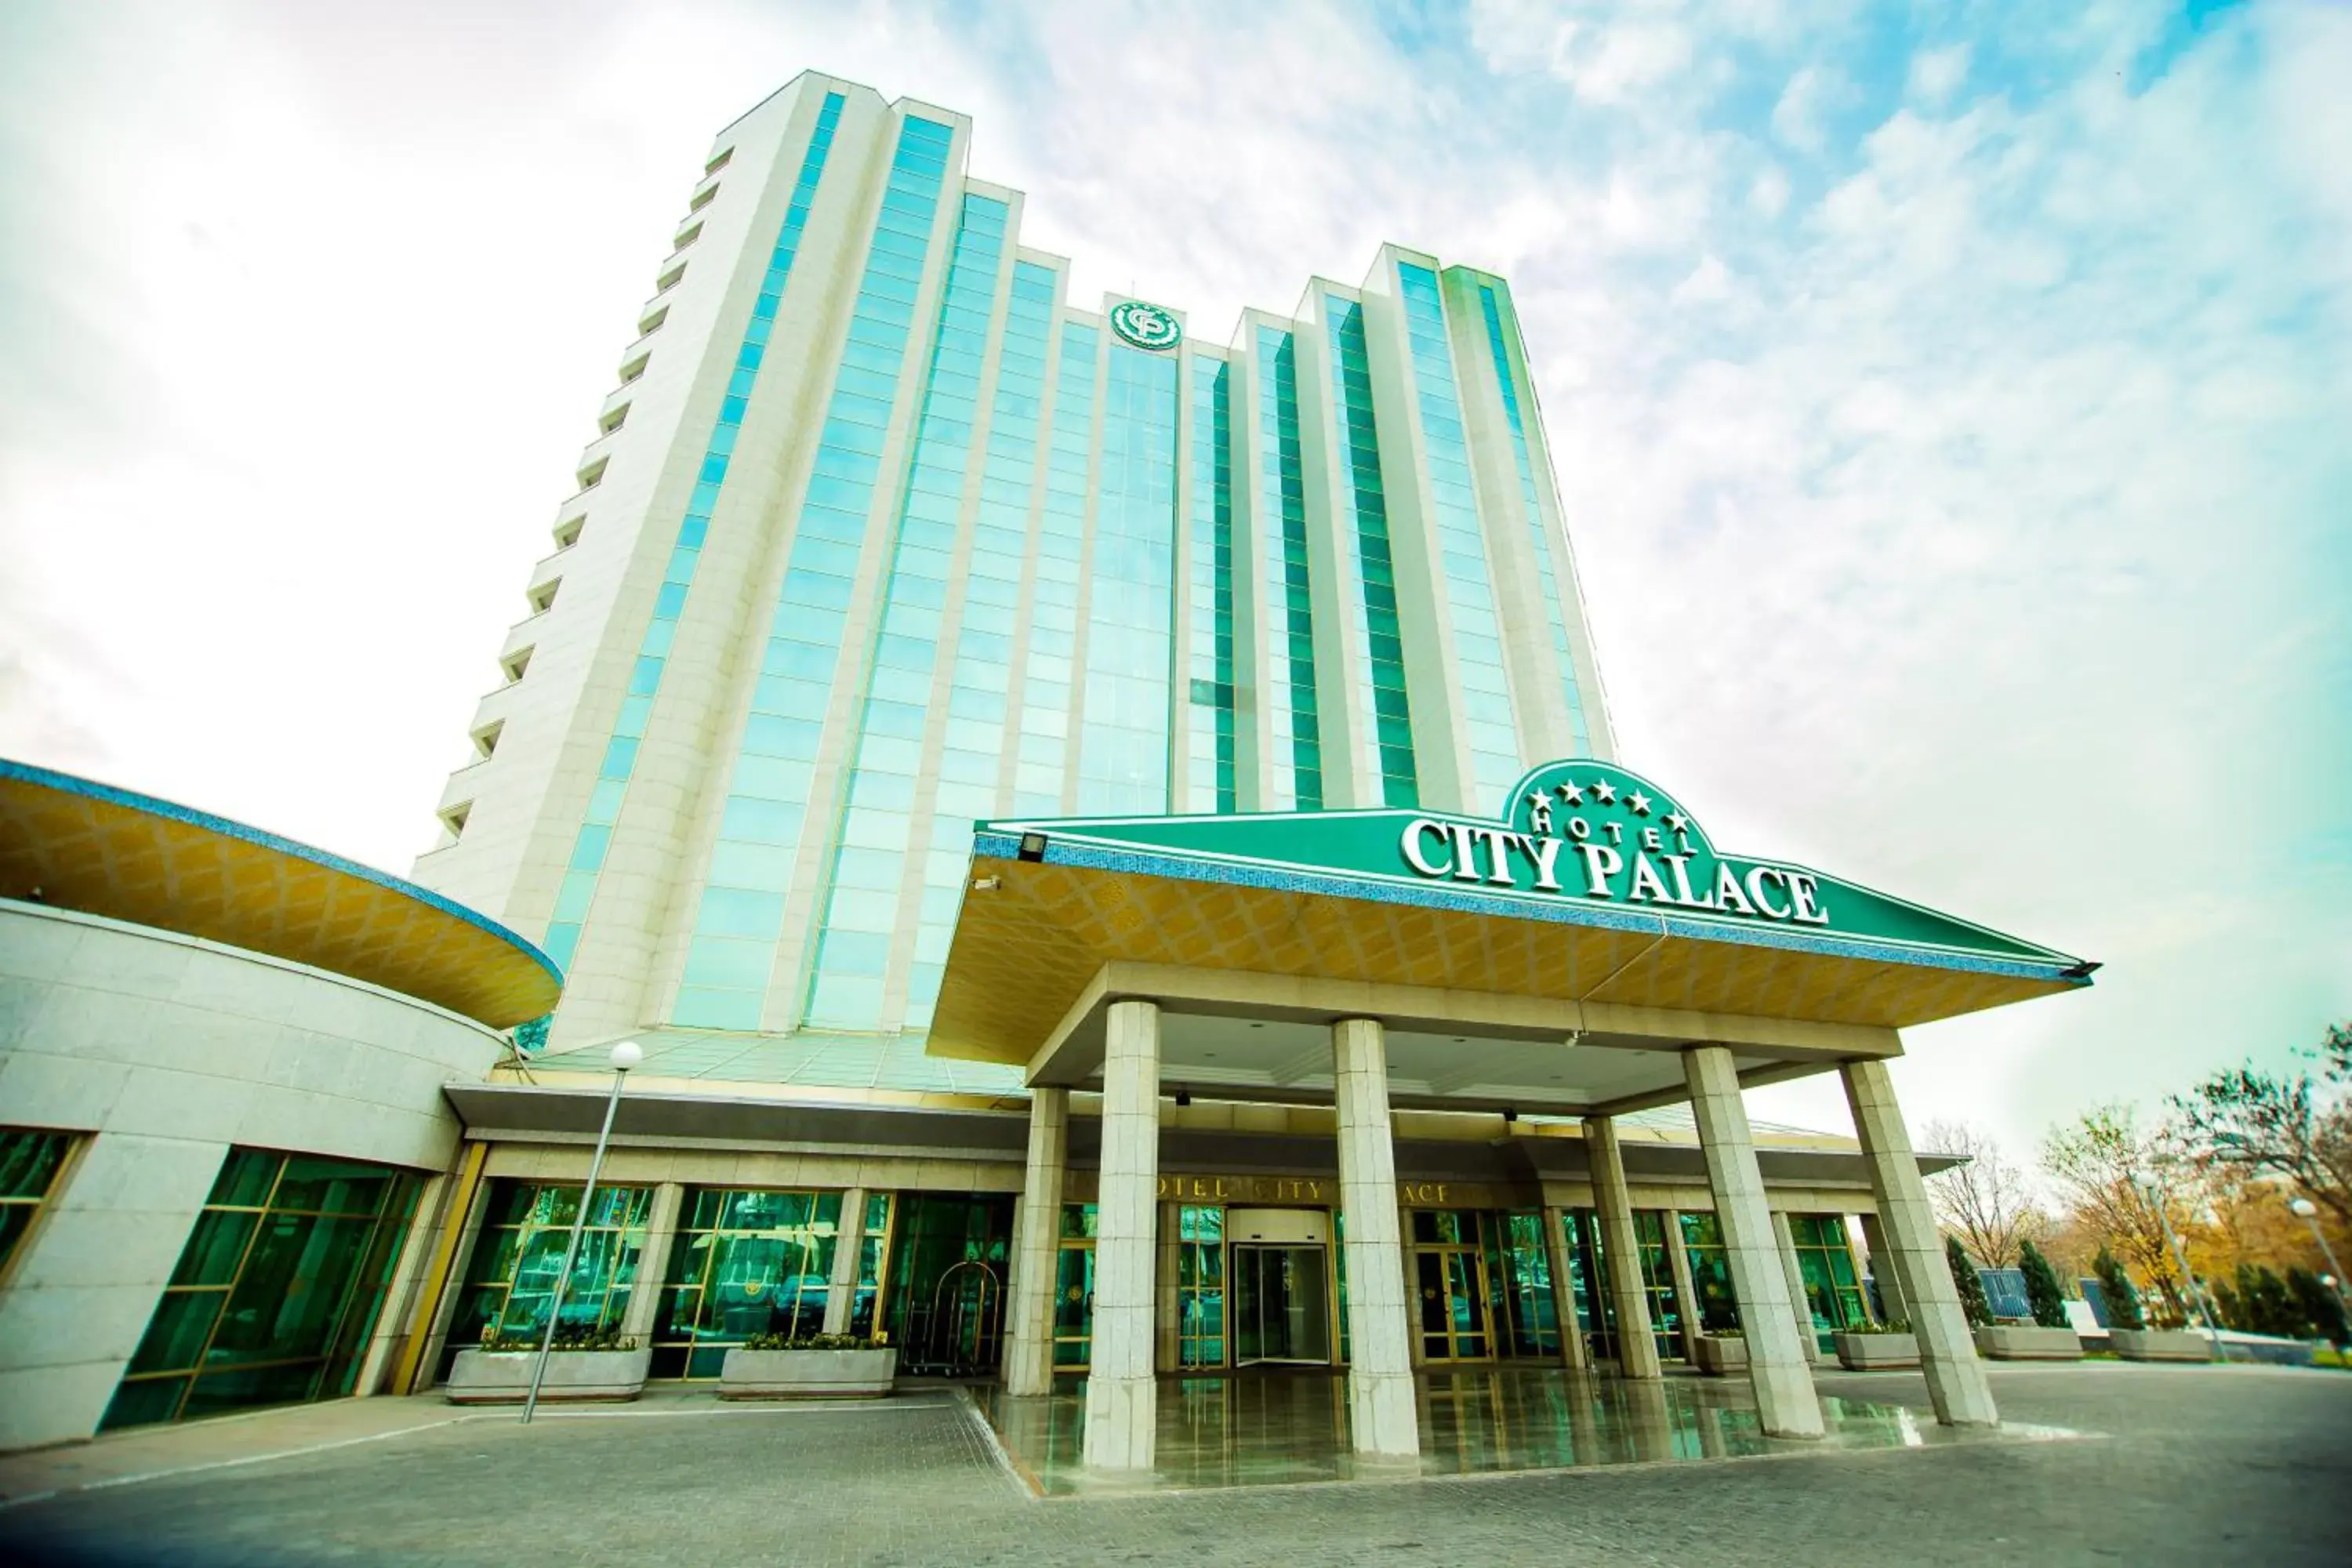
x=74, y=844
x=1592, y=896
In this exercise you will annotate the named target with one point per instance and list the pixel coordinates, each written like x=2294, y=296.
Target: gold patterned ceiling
x=1025, y=949
x=74, y=844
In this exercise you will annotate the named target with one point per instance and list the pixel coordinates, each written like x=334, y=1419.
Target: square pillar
x=1882, y=1269
x=1621, y=1251
x=1686, y=1287
x=1800, y=1305
x=1955, y=1379
x=1122, y=1408
x=1777, y=1360
x=1029, y=1338
x=1574, y=1353
x=653, y=1262
x=1382, y=1417
x=848, y=1241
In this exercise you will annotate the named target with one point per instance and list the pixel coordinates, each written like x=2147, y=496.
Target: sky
x=1952, y=404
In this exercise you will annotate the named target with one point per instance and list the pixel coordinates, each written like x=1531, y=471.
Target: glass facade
x=1074, y=1287
x=1658, y=1280
x=1018, y=567
x=1361, y=523
x=1295, y=770
x=745, y=1262
x=944, y=1304
x=645, y=677
x=1718, y=1305
x=1200, y=1286
x=1539, y=536
x=1832, y=1284
x=511, y=1281
x=277, y=1290
x=873, y=839
x=739, y=922
x=1210, y=775
x=1468, y=592
x=1123, y=741
x=1042, y=765
x=30, y=1162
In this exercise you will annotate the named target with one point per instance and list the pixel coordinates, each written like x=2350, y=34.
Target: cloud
x=1950, y=425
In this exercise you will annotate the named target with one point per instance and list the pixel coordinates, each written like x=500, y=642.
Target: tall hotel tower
x=884, y=533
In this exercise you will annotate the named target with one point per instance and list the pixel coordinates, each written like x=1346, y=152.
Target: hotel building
x=1111, y=846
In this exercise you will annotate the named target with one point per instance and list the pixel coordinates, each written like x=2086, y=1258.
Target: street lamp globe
x=2304, y=1208
x=626, y=1055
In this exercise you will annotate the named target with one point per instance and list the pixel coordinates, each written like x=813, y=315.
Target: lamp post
x=625, y=1055
x=2154, y=1193
x=2308, y=1212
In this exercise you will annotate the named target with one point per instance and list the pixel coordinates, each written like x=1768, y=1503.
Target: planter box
x=2161, y=1344
x=1720, y=1357
x=808, y=1374
x=1875, y=1353
x=503, y=1377
x=2027, y=1341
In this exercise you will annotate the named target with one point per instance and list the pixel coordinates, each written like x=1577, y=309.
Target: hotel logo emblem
x=1145, y=326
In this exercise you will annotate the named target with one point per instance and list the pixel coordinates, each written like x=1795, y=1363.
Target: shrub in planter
x=1974, y=1303
x=1721, y=1352
x=583, y=1363
x=2123, y=1300
x=2042, y=1291
x=809, y=1367
x=1874, y=1347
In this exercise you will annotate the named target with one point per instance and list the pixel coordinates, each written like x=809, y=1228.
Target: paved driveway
x=2192, y=1464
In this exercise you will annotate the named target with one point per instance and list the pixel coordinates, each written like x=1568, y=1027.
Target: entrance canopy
x=1554, y=959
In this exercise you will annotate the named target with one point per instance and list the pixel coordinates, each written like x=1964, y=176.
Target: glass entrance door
x=1450, y=1279
x=1282, y=1305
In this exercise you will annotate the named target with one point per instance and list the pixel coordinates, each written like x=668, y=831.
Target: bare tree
x=1984, y=1199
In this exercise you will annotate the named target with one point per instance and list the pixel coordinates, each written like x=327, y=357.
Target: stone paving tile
x=2192, y=1465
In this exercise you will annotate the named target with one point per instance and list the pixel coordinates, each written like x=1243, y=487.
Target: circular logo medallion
x=1145, y=326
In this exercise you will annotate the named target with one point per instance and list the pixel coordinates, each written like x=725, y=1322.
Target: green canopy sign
x=1581, y=839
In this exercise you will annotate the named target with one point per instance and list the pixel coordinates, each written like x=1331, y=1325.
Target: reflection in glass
x=746, y=1262
x=275, y=1292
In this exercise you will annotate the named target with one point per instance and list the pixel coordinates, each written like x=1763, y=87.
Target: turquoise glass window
x=860, y=918
x=1546, y=577
x=1484, y=687
x=1288, y=684
x=1209, y=733
x=1041, y=765
x=587, y=861
x=1123, y=749
x=727, y=965
x=1362, y=516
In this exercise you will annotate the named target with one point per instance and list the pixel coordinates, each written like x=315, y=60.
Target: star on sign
x=1640, y=803
x=1606, y=792
x=1569, y=793
x=1676, y=822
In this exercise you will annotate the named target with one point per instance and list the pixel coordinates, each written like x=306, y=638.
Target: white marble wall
x=170, y=1050
x=1029, y=1348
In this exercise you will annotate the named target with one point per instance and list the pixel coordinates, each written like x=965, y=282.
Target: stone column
x=1955, y=1379
x=848, y=1241
x=1882, y=1269
x=1122, y=1407
x=1800, y=1305
x=1383, y=1417
x=1621, y=1251
x=1572, y=1352
x=1029, y=1342
x=1777, y=1362
x=1685, y=1289
x=653, y=1263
